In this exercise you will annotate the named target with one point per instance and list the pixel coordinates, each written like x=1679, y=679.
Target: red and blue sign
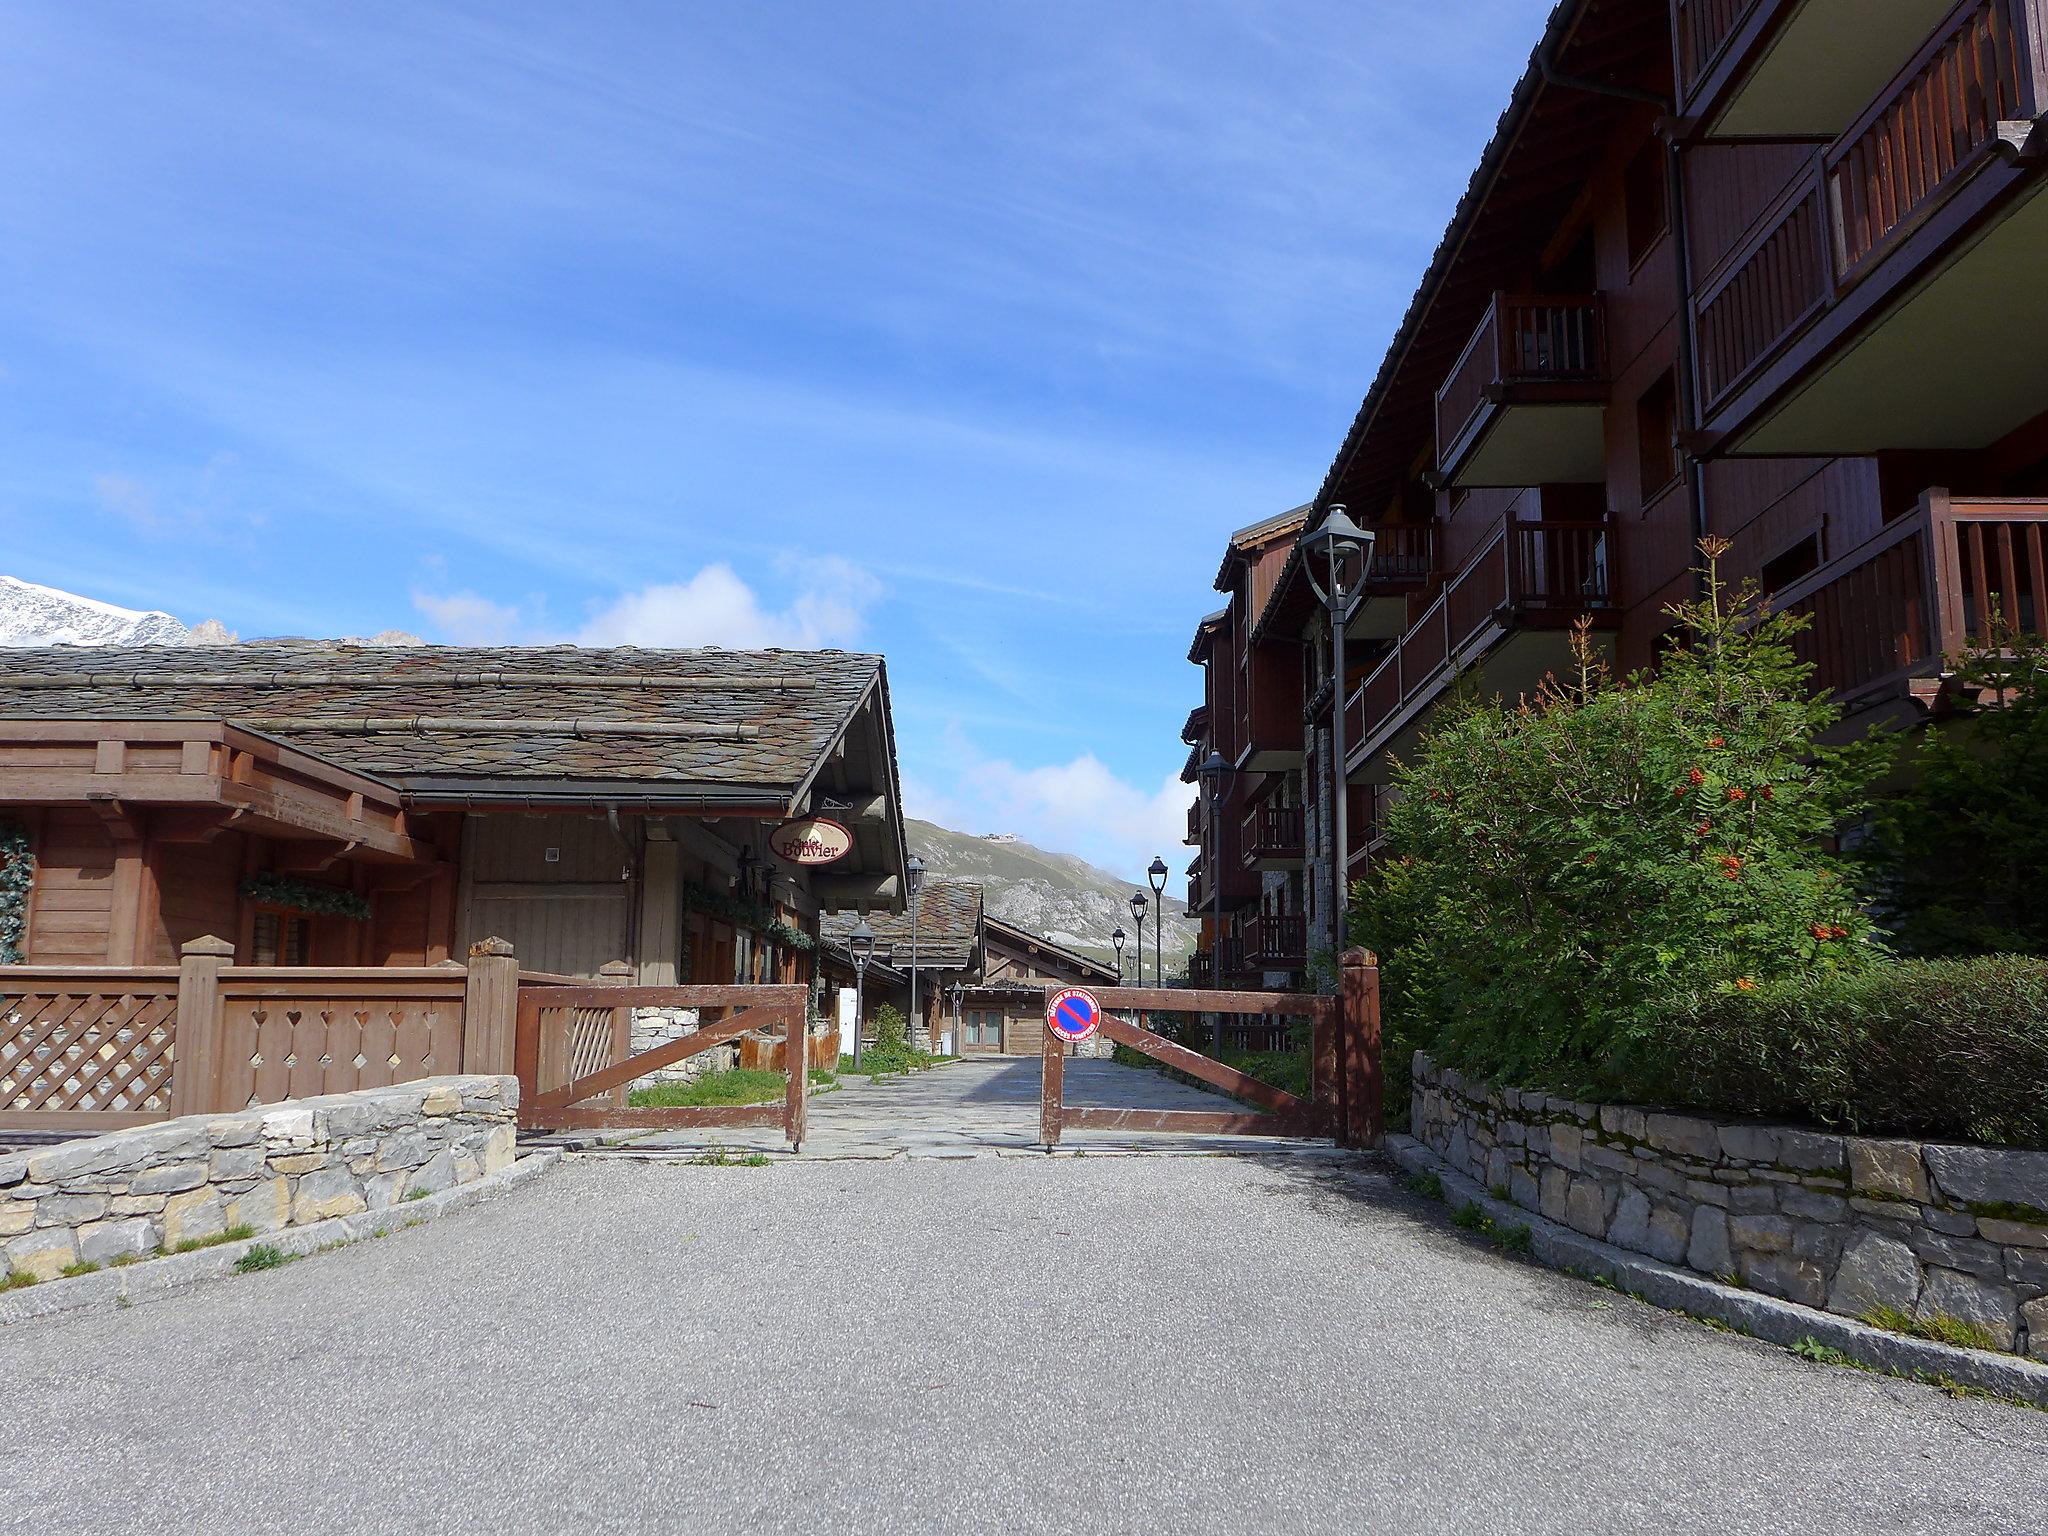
x=1073, y=1015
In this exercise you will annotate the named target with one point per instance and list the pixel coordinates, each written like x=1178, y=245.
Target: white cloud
x=467, y=619
x=1079, y=807
x=827, y=607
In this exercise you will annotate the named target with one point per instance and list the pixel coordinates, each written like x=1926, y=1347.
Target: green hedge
x=1935, y=1048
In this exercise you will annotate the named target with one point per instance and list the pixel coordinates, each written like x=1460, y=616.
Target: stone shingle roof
x=424, y=716
x=948, y=927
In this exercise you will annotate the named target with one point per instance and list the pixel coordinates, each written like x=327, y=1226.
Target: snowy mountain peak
x=36, y=615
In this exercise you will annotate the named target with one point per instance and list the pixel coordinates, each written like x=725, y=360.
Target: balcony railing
x=1704, y=27
x=1936, y=124
x=1276, y=940
x=1909, y=600
x=1403, y=554
x=1194, y=837
x=1201, y=969
x=1522, y=341
x=1274, y=833
x=1543, y=573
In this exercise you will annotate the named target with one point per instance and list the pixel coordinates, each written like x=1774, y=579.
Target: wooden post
x=1325, y=1082
x=1358, y=1061
x=619, y=973
x=661, y=916
x=490, y=1008
x=795, y=1035
x=1051, y=1084
x=195, y=1058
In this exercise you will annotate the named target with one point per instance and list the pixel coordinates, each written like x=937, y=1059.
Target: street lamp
x=1214, y=774
x=860, y=944
x=1343, y=547
x=915, y=869
x=1157, y=874
x=1138, y=905
x=1117, y=940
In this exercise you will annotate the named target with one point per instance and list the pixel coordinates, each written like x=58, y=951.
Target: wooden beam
x=311, y=857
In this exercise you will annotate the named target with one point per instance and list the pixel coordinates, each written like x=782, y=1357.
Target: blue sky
x=961, y=332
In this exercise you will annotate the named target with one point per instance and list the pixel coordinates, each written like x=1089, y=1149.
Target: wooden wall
x=71, y=907
x=570, y=913
x=197, y=894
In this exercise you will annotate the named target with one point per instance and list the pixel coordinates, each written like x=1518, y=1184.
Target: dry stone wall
x=1848, y=1223
x=133, y=1193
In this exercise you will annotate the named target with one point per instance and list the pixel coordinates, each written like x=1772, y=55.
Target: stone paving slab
x=973, y=1108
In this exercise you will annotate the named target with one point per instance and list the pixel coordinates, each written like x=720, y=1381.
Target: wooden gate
x=1344, y=1100
x=572, y=1046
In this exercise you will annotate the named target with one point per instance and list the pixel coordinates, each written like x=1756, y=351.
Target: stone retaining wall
x=133, y=1193
x=1848, y=1223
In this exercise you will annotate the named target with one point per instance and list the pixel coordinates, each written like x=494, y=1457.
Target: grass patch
x=415, y=1194
x=730, y=1160
x=1938, y=1328
x=740, y=1085
x=1470, y=1217
x=1426, y=1184
x=124, y=1260
x=1516, y=1239
x=262, y=1256
x=16, y=1280
x=1826, y=1354
x=231, y=1235
x=820, y=1078
x=82, y=1267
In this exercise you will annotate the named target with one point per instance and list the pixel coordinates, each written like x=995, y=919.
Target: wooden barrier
x=1345, y=1101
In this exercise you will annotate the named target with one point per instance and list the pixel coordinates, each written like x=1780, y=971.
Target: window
x=1786, y=567
x=1657, y=435
x=281, y=938
x=985, y=1029
x=1643, y=190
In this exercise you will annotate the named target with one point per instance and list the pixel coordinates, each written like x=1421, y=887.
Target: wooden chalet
x=1001, y=1011
x=328, y=805
x=1769, y=270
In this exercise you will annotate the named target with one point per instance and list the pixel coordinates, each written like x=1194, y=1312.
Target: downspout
x=1674, y=197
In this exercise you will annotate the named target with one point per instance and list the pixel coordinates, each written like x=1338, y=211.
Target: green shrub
x=1559, y=869
x=1949, y=1048
x=262, y=1256
x=1957, y=857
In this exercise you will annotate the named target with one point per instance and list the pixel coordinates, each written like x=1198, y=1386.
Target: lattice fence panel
x=87, y=1050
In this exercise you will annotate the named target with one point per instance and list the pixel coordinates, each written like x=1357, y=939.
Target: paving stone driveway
x=985, y=1107
x=1007, y=1343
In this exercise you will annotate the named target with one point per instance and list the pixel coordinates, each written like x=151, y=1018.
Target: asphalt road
x=1002, y=1343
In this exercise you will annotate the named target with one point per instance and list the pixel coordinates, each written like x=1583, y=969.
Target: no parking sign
x=1074, y=1015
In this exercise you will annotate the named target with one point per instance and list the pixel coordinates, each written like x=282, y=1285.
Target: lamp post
x=1138, y=905
x=860, y=944
x=1116, y=941
x=1214, y=774
x=1337, y=541
x=915, y=869
x=1157, y=875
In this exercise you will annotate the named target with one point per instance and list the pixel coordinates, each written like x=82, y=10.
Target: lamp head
x=1138, y=905
x=1157, y=874
x=915, y=870
x=1118, y=938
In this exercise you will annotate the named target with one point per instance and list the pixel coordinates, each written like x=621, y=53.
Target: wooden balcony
x=1855, y=317
x=1403, y=560
x=1274, y=837
x=1194, y=834
x=1891, y=616
x=1790, y=68
x=1201, y=969
x=1276, y=941
x=1268, y=694
x=1504, y=618
x=1524, y=403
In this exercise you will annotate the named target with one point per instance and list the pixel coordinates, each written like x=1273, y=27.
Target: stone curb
x=1783, y=1323
x=154, y=1279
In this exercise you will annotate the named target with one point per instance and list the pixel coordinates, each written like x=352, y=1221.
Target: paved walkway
x=1231, y=1344
x=974, y=1108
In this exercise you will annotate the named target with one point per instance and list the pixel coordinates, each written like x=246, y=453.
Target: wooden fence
x=98, y=1048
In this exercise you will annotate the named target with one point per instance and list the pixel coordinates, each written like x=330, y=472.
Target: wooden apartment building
x=320, y=804
x=1771, y=270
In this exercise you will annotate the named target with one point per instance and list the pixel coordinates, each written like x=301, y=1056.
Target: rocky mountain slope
x=1066, y=899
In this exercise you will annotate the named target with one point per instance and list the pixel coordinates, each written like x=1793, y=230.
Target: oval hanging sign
x=811, y=841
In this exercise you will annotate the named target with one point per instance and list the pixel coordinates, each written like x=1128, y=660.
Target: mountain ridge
x=1059, y=896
